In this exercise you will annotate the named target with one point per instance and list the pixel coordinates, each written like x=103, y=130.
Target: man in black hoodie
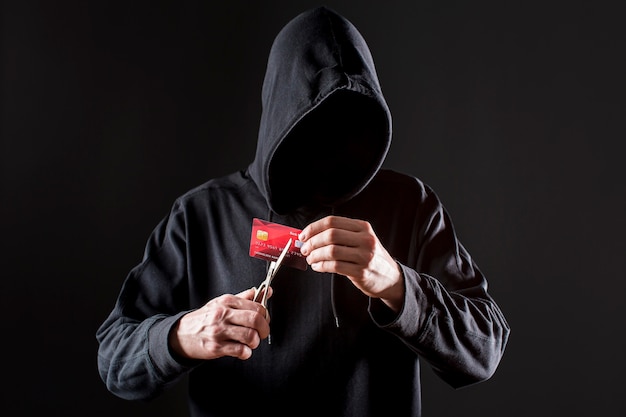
x=388, y=282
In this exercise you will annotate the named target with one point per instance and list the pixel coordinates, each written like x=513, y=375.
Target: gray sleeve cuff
x=409, y=321
x=166, y=363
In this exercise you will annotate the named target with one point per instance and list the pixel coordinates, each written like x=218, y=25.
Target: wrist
x=174, y=343
x=393, y=297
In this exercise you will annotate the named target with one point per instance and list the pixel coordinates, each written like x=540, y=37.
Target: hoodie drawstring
x=333, y=285
x=333, y=301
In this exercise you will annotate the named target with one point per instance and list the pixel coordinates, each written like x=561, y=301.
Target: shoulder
x=226, y=183
x=388, y=181
x=233, y=183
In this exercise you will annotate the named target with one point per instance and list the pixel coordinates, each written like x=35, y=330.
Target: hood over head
x=325, y=127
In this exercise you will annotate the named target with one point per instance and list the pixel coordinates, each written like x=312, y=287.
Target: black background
x=512, y=111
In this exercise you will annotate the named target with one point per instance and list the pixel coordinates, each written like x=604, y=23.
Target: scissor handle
x=271, y=271
x=264, y=286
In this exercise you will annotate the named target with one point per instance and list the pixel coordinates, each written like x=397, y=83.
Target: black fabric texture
x=324, y=133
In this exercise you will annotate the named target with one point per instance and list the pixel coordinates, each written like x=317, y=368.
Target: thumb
x=247, y=294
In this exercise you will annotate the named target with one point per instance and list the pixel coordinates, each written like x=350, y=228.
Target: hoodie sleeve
x=134, y=359
x=448, y=317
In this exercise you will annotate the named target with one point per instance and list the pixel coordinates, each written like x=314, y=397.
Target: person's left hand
x=350, y=247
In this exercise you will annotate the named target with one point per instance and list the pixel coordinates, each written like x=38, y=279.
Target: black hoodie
x=325, y=131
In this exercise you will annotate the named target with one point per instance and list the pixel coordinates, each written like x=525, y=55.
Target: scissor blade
x=271, y=272
x=282, y=256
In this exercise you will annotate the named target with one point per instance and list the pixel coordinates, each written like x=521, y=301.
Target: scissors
x=271, y=272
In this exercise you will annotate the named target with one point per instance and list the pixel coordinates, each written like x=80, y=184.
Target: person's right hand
x=229, y=325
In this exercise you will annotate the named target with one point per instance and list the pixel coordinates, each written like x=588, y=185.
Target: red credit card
x=269, y=239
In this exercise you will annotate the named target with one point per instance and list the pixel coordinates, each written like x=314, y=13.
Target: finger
x=249, y=335
x=329, y=222
x=333, y=237
x=237, y=350
x=248, y=297
x=241, y=326
x=250, y=293
x=349, y=269
x=233, y=303
x=334, y=253
x=230, y=348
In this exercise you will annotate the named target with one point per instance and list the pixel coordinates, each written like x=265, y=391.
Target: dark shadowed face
x=330, y=153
